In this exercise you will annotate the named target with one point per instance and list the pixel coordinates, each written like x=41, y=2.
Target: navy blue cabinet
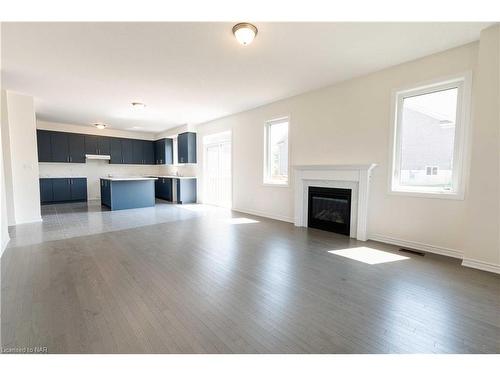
x=127, y=151
x=44, y=145
x=46, y=192
x=58, y=190
x=148, y=152
x=163, y=188
x=186, y=190
x=115, y=151
x=61, y=189
x=106, y=192
x=186, y=147
x=78, y=189
x=103, y=146
x=91, y=145
x=76, y=147
x=164, y=151
x=60, y=147
x=137, y=156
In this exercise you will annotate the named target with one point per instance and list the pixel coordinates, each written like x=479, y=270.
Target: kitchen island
x=120, y=193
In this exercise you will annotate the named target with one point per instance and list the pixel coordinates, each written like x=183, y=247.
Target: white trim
x=34, y=220
x=463, y=82
x=417, y=245
x=480, y=265
x=264, y=214
x=267, y=124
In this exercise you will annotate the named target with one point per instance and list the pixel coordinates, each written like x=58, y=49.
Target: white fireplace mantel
x=355, y=177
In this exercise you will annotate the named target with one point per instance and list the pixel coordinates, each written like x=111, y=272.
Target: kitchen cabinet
x=164, y=151
x=186, y=148
x=103, y=146
x=76, y=147
x=58, y=190
x=137, y=156
x=91, y=146
x=44, y=145
x=163, y=188
x=46, y=192
x=60, y=147
x=115, y=151
x=148, y=152
x=186, y=190
x=127, y=151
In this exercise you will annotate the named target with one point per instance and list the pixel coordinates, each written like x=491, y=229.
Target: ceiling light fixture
x=244, y=33
x=100, y=125
x=138, y=105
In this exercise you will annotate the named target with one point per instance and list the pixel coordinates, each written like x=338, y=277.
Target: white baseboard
x=417, y=246
x=263, y=214
x=28, y=221
x=480, y=265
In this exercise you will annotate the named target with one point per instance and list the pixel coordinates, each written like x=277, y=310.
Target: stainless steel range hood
x=97, y=157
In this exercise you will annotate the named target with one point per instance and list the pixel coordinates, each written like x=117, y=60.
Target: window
x=276, y=152
x=428, y=142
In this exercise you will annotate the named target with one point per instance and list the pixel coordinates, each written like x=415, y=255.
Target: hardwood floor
x=210, y=283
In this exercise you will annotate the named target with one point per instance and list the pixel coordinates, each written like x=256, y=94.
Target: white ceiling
x=188, y=73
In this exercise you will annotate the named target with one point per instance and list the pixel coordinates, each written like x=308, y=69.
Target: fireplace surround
x=353, y=177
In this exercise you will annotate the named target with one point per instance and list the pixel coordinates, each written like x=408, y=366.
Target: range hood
x=97, y=157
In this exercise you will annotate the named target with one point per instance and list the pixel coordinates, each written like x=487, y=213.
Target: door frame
x=205, y=145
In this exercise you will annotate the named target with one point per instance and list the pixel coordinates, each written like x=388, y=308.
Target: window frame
x=267, y=181
x=461, y=141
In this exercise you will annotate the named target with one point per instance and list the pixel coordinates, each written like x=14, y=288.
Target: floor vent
x=412, y=252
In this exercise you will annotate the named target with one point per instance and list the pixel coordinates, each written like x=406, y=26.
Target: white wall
x=20, y=158
x=4, y=233
x=348, y=123
x=482, y=232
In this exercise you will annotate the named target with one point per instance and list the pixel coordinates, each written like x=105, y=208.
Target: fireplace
x=330, y=209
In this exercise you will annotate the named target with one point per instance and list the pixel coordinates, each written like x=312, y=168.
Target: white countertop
x=128, y=178
x=179, y=177
x=62, y=177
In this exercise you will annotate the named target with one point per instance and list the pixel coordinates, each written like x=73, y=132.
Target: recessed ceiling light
x=244, y=33
x=100, y=125
x=138, y=105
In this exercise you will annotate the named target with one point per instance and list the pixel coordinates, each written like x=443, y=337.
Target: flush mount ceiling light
x=100, y=125
x=138, y=105
x=244, y=33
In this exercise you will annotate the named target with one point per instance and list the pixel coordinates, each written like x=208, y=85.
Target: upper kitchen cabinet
x=164, y=151
x=127, y=151
x=115, y=151
x=103, y=146
x=76, y=146
x=137, y=155
x=148, y=152
x=60, y=147
x=91, y=145
x=186, y=148
x=97, y=145
x=44, y=145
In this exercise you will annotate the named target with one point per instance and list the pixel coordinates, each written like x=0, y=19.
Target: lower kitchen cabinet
x=186, y=190
x=46, y=191
x=59, y=190
x=163, y=188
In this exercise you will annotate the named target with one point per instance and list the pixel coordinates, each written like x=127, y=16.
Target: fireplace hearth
x=330, y=209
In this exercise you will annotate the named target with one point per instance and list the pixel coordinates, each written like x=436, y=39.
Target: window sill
x=276, y=184
x=428, y=194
